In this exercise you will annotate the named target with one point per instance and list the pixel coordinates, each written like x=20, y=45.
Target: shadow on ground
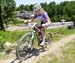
x=34, y=52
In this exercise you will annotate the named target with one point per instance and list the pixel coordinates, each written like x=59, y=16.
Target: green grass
x=63, y=31
x=15, y=21
x=10, y=36
x=15, y=35
x=60, y=32
x=68, y=51
x=68, y=54
x=3, y=55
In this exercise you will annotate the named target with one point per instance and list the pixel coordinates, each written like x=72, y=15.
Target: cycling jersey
x=42, y=17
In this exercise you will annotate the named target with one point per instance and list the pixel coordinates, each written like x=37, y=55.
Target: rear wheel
x=48, y=39
x=24, y=47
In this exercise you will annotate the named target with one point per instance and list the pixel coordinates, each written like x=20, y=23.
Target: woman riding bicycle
x=42, y=16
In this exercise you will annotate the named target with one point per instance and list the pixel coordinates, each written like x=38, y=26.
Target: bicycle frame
x=28, y=45
x=31, y=31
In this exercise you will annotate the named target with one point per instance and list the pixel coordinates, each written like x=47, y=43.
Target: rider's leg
x=40, y=37
x=42, y=29
x=39, y=34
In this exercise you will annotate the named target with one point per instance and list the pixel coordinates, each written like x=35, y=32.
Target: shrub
x=73, y=19
x=9, y=36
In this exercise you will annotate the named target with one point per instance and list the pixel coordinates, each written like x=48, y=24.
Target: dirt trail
x=54, y=48
x=16, y=28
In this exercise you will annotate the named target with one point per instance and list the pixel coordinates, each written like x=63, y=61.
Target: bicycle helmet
x=36, y=7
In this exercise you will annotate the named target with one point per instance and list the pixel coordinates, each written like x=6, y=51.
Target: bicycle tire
x=24, y=37
x=48, y=41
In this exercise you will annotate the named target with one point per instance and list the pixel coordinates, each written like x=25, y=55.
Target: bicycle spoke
x=47, y=41
x=24, y=47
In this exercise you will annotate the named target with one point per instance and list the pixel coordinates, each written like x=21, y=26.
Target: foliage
x=7, y=10
x=64, y=10
x=10, y=36
x=14, y=36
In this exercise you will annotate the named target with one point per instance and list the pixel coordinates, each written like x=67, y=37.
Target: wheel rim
x=24, y=48
x=47, y=44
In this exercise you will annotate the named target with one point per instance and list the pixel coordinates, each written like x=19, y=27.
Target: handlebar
x=30, y=25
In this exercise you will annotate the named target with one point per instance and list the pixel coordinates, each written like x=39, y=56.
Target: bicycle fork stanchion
x=31, y=41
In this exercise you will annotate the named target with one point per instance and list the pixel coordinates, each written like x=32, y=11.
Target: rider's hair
x=42, y=10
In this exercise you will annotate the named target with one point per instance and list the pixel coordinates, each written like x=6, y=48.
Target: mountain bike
x=26, y=42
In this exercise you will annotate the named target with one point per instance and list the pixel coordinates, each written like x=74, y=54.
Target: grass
x=60, y=32
x=3, y=55
x=46, y=58
x=15, y=21
x=63, y=31
x=68, y=51
x=68, y=54
x=10, y=36
x=14, y=36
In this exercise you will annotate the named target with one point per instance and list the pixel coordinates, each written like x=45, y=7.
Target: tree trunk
x=1, y=21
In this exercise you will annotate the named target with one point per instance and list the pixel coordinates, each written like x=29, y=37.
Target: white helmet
x=36, y=7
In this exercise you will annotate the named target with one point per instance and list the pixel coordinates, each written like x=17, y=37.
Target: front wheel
x=47, y=39
x=24, y=47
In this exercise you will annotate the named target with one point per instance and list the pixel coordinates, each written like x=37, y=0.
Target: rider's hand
x=46, y=24
x=26, y=22
x=43, y=25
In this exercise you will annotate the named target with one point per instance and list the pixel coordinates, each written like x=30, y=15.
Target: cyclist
x=42, y=16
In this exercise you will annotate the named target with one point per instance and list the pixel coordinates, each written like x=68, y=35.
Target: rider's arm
x=47, y=19
x=32, y=19
x=47, y=23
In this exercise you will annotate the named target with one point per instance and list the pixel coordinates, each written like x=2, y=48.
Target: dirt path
x=22, y=27
x=54, y=48
x=16, y=28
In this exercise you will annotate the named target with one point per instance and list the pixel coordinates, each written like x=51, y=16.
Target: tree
x=9, y=7
x=52, y=9
x=21, y=7
x=7, y=10
x=31, y=7
x=64, y=10
x=73, y=19
x=27, y=7
x=1, y=20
